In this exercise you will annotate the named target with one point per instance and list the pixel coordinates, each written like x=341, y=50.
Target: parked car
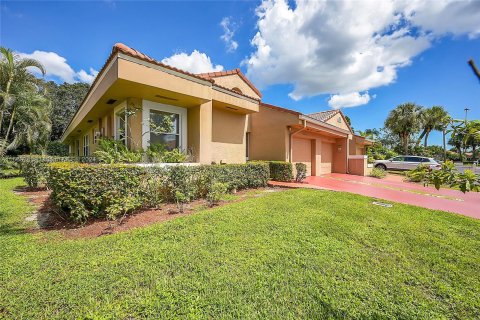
x=406, y=163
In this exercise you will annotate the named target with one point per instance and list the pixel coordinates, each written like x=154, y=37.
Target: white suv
x=406, y=163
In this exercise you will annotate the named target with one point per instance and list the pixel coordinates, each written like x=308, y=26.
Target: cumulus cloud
x=56, y=66
x=352, y=99
x=196, y=62
x=344, y=48
x=228, y=33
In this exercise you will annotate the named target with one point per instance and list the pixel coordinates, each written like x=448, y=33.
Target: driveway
x=393, y=188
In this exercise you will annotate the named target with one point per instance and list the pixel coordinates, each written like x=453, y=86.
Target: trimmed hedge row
x=33, y=168
x=281, y=171
x=85, y=191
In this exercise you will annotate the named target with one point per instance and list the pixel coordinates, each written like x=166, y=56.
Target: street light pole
x=466, y=113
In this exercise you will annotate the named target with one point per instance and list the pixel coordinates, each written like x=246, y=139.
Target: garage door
x=302, y=152
x=326, y=165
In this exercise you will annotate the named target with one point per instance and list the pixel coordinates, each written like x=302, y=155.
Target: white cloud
x=346, y=47
x=352, y=99
x=196, y=62
x=57, y=66
x=228, y=33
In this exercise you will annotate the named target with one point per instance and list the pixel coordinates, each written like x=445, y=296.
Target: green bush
x=280, y=171
x=34, y=168
x=9, y=167
x=114, y=151
x=301, y=173
x=84, y=191
x=159, y=153
x=419, y=174
x=216, y=192
x=378, y=173
x=58, y=149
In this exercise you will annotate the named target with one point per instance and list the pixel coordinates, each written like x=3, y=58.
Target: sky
x=365, y=57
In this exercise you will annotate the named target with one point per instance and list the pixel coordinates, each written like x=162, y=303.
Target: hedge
x=84, y=191
x=281, y=171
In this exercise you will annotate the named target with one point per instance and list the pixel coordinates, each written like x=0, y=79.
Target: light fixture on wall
x=339, y=148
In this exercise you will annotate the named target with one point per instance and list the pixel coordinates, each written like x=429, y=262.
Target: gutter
x=290, y=139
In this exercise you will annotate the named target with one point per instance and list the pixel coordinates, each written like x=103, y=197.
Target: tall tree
x=66, y=99
x=17, y=86
x=431, y=119
x=404, y=121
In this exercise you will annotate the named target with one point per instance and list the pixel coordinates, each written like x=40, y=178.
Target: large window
x=165, y=129
x=121, y=125
x=164, y=124
x=86, y=145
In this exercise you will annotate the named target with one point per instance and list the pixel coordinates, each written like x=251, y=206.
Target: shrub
x=34, y=170
x=83, y=191
x=419, y=174
x=114, y=151
x=56, y=148
x=378, y=173
x=216, y=192
x=158, y=153
x=301, y=169
x=280, y=171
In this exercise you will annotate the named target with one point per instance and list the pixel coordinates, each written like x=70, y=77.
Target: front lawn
x=293, y=254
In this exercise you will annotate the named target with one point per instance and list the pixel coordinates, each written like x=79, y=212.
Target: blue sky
x=429, y=64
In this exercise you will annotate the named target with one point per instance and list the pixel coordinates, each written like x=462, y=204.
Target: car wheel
x=381, y=166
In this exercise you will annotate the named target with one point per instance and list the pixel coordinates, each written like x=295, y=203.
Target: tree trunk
x=5, y=141
x=426, y=139
x=7, y=91
x=405, y=144
x=420, y=137
x=444, y=146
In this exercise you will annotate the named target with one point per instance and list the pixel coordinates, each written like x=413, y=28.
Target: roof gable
x=237, y=72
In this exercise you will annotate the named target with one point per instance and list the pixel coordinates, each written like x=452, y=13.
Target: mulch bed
x=49, y=218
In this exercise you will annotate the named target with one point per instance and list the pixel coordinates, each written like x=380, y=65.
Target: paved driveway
x=393, y=188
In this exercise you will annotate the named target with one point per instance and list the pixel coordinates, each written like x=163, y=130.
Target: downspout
x=290, y=139
x=348, y=152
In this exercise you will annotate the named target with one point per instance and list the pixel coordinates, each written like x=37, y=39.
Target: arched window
x=236, y=89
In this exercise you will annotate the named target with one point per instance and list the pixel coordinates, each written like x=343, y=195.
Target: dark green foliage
x=66, y=99
x=301, y=169
x=84, y=191
x=114, y=151
x=280, y=171
x=419, y=174
x=56, y=148
x=34, y=168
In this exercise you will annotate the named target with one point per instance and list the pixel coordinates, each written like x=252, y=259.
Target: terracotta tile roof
x=323, y=115
x=271, y=106
x=211, y=75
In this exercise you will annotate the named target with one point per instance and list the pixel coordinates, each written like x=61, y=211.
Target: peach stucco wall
x=339, y=155
x=228, y=136
x=269, y=137
x=234, y=81
x=302, y=152
x=338, y=121
x=358, y=166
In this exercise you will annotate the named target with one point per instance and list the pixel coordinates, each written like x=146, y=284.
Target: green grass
x=293, y=254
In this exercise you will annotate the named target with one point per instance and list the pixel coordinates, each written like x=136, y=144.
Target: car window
x=427, y=160
x=412, y=159
x=397, y=159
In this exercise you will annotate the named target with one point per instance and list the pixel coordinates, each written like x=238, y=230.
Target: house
x=218, y=117
x=323, y=141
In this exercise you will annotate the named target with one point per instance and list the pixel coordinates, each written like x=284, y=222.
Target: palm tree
x=431, y=119
x=16, y=84
x=369, y=133
x=404, y=121
x=444, y=123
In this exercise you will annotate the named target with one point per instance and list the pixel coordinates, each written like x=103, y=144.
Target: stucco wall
x=234, y=81
x=228, y=136
x=358, y=167
x=302, y=152
x=269, y=134
x=326, y=158
x=335, y=122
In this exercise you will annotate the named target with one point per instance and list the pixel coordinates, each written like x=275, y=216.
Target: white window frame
x=182, y=121
x=116, y=124
x=86, y=145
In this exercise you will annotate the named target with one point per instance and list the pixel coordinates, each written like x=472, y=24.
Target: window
x=397, y=159
x=77, y=148
x=121, y=126
x=86, y=146
x=412, y=159
x=165, y=124
x=165, y=129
